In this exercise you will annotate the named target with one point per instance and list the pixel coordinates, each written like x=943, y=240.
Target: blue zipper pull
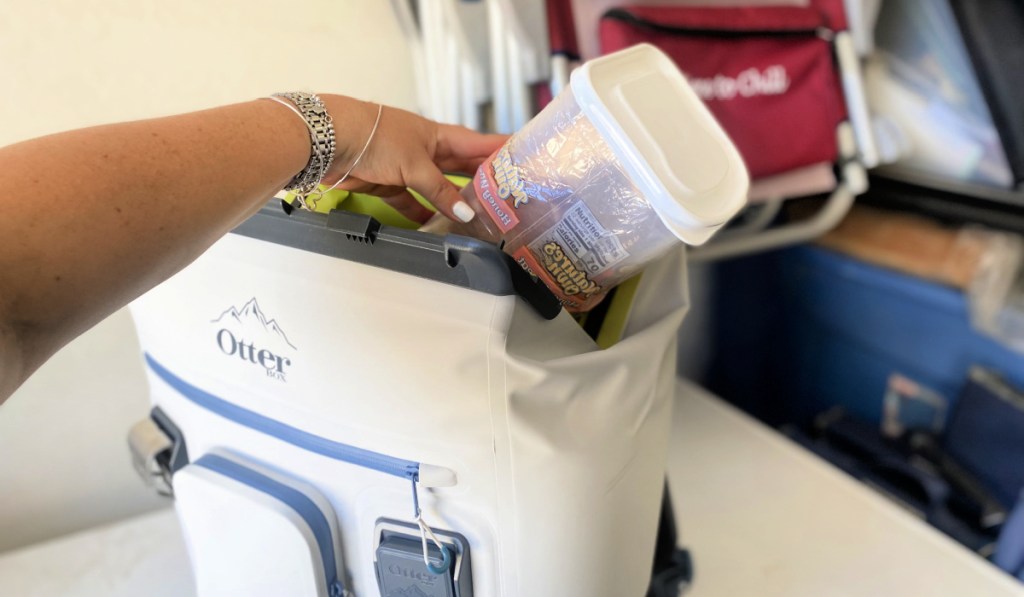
x=335, y=589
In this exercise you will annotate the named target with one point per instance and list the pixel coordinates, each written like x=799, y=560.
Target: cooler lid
x=666, y=139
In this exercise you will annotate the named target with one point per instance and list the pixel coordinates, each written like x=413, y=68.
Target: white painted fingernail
x=463, y=211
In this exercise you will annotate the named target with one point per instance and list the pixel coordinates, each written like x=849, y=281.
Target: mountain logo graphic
x=251, y=317
x=248, y=335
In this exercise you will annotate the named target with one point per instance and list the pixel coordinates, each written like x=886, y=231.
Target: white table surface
x=762, y=517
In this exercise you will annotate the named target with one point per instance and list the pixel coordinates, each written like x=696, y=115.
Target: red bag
x=766, y=73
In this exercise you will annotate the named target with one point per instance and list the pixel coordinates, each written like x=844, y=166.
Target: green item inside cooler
x=618, y=312
x=620, y=300
x=371, y=205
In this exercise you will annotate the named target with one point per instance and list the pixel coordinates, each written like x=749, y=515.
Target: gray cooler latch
x=357, y=227
x=400, y=569
x=158, y=450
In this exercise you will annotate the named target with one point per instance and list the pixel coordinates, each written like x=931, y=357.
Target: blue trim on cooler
x=291, y=497
x=398, y=467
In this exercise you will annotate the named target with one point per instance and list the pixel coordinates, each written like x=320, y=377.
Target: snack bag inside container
x=619, y=167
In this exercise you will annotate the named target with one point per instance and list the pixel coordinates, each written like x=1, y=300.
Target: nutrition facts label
x=584, y=240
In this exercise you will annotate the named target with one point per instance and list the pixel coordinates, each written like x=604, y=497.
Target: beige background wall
x=64, y=64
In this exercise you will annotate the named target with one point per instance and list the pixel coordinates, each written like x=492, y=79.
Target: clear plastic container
x=562, y=192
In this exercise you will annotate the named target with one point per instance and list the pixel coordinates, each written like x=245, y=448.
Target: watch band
x=321, y=135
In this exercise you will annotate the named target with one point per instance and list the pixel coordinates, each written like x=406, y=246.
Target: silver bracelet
x=359, y=158
x=321, y=134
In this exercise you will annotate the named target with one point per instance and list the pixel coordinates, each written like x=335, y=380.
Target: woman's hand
x=406, y=152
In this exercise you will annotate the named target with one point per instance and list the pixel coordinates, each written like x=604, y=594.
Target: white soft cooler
x=311, y=367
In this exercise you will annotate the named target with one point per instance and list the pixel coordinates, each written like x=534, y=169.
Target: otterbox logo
x=246, y=333
x=569, y=278
x=402, y=571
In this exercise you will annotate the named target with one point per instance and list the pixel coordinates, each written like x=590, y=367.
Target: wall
x=64, y=464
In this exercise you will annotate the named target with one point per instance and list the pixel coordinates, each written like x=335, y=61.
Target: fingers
x=358, y=185
x=398, y=197
x=460, y=142
x=428, y=181
x=407, y=205
x=466, y=166
x=410, y=151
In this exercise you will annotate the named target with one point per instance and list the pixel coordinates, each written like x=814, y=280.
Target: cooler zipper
x=621, y=14
x=383, y=463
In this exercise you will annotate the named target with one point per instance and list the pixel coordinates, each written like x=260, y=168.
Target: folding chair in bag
x=783, y=79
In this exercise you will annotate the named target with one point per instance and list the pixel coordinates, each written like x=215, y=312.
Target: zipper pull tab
x=437, y=476
x=446, y=553
x=427, y=533
x=337, y=590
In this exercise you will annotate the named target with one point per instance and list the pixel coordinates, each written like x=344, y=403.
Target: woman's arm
x=91, y=219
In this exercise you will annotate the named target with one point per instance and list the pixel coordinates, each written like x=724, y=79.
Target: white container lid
x=666, y=139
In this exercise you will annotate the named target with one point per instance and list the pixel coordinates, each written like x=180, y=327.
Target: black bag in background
x=993, y=33
x=986, y=434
